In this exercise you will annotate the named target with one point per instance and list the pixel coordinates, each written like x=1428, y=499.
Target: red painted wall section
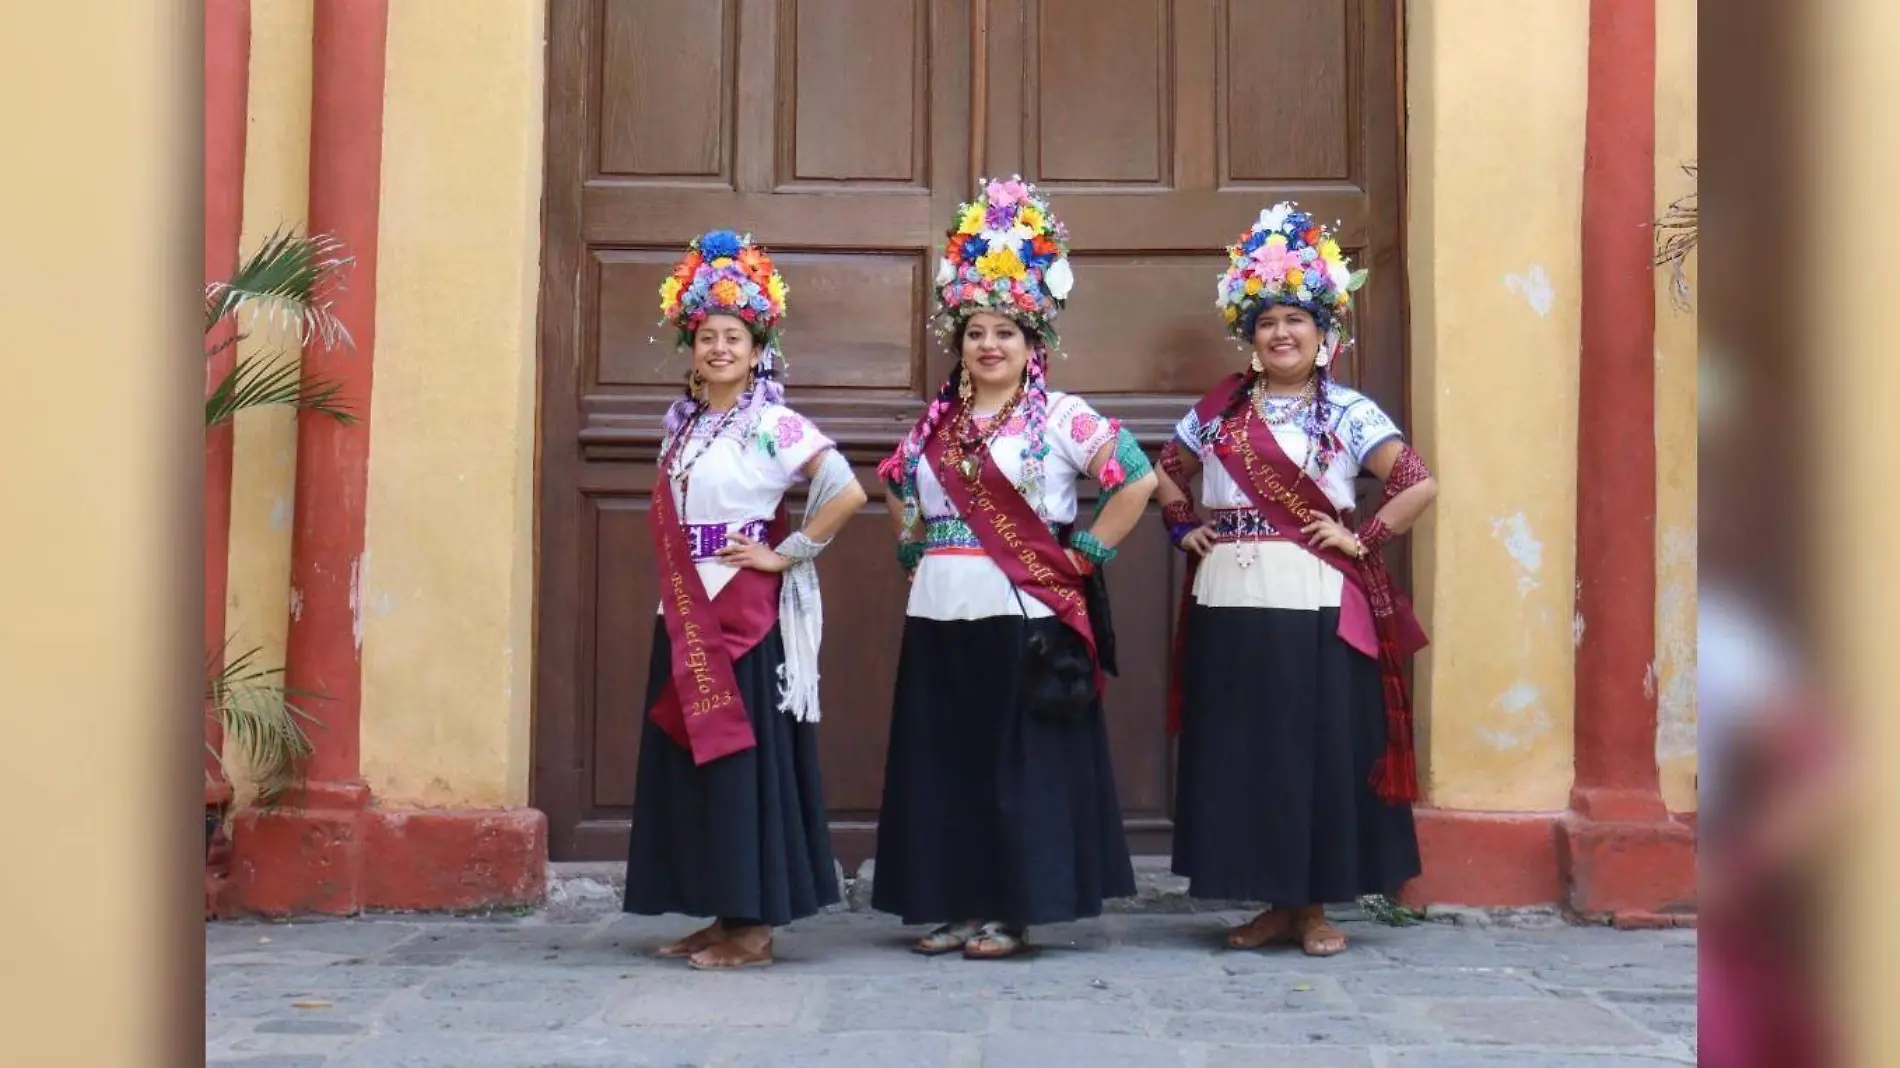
x=1619, y=853
x=324, y=643
x=227, y=30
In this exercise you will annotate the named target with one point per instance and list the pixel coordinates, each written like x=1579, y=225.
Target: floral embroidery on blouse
x=1083, y=427
x=791, y=430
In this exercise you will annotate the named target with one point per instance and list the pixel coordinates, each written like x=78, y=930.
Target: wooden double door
x=842, y=134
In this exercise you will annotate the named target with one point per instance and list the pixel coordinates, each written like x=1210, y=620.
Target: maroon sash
x=1272, y=483
x=1015, y=537
x=708, y=635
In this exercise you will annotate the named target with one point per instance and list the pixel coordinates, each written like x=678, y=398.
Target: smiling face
x=724, y=352
x=995, y=351
x=1286, y=339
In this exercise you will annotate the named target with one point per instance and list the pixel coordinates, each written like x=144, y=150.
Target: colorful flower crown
x=724, y=274
x=1007, y=254
x=1285, y=258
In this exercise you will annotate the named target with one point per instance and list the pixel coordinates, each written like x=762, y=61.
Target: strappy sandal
x=729, y=955
x=996, y=941
x=1319, y=938
x=947, y=939
x=703, y=939
x=1270, y=927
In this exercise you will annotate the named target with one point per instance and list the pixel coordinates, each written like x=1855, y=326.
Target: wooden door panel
x=1290, y=75
x=840, y=133
x=666, y=89
x=854, y=76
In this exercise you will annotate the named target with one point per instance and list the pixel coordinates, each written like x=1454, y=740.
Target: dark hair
x=1322, y=317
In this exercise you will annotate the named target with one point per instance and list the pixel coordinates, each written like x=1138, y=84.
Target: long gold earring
x=696, y=386
x=965, y=391
x=1255, y=363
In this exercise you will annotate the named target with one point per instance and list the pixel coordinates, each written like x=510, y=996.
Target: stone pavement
x=1126, y=991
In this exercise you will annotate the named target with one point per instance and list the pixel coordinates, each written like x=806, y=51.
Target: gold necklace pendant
x=971, y=466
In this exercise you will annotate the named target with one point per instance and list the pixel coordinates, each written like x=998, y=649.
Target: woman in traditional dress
x=729, y=813
x=999, y=800
x=1296, y=771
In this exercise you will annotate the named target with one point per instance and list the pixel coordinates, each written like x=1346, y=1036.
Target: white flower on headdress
x=946, y=271
x=1059, y=279
x=1273, y=218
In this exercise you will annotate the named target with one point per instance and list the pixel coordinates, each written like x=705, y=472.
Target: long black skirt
x=1281, y=723
x=744, y=837
x=988, y=813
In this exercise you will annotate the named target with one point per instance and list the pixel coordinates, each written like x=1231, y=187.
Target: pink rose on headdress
x=1004, y=194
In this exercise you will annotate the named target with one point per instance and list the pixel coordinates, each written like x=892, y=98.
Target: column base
x=1632, y=872
x=1486, y=859
x=338, y=857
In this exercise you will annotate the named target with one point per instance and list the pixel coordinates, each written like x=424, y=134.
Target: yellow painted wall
x=1675, y=419
x=448, y=596
x=276, y=194
x=1496, y=94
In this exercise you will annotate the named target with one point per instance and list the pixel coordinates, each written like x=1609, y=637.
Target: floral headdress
x=1286, y=257
x=723, y=273
x=1007, y=254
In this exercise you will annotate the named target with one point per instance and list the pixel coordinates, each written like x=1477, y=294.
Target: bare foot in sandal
x=709, y=935
x=746, y=947
x=1272, y=925
x=996, y=941
x=1318, y=937
x=947, y=939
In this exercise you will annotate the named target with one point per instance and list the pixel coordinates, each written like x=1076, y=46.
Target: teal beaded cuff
x=910, y=554
x=1091, y=548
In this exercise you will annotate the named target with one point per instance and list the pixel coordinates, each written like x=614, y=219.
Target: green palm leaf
x=261, y=719
x=287, y=283
x=257, y=381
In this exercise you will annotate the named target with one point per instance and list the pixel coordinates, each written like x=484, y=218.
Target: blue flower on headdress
x=719, y=243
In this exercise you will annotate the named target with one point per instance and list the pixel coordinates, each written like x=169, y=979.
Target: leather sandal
x=947, y=939
x=702, y=939
x=996, y=941
x=731, y=954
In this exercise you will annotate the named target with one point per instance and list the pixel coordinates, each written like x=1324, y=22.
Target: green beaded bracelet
x=910, y=554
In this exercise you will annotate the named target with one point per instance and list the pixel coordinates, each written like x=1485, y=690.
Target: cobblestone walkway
x=1126, y=991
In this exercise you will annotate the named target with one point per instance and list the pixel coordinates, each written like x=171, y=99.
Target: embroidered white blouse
x=964, y=584
x=740, y=477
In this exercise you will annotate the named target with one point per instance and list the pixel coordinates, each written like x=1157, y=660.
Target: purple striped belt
x=706, y=539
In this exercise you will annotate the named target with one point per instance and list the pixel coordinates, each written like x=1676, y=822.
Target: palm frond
x=262, y=720
x=1676, y=234
x=287, y=283
x=256, y=381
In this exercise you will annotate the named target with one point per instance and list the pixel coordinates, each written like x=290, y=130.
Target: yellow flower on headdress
x=1030, y=216
x=1230, y=312
x=972, y=220
x=1329, y=250
x=775, y=290
x=1295, y=276
x=1000, y=263
x=726, y=293
x=723, y=261
x=669, y=296
x=1253, y=286
x=1276, y=239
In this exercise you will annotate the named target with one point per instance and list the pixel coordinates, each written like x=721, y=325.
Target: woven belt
x=1242, y=524
x=949, y=534
x=706, y=539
